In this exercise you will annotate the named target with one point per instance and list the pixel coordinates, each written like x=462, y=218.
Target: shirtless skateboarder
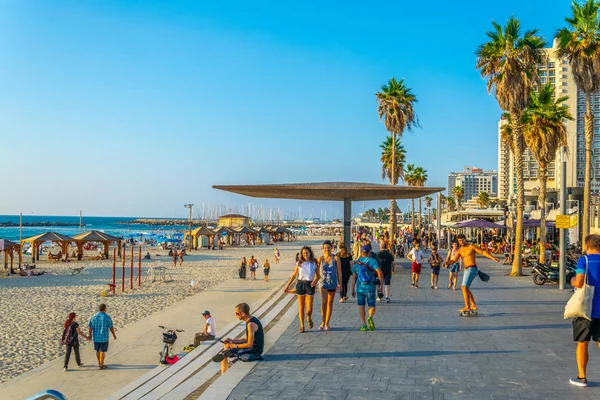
x=468, y=252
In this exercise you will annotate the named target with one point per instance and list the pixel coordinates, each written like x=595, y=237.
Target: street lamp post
x=190, y=206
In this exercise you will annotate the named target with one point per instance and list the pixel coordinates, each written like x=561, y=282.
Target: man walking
x=386, y=263
x=209, y=330
x=99, y=326
x=416, y=257
x=247, y=349
x=363, y=275
x=583, y=329
x=468, y=253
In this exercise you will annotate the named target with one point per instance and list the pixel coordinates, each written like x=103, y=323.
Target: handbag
x=580, y=304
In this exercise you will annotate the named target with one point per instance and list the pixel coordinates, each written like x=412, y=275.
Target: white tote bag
x=580, y=304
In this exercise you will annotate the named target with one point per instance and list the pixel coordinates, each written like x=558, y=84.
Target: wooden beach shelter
x=225, y=230
x=333, y=191
x=281, y=232
x=97, y=237
x=9, y=248
x=245, y=230
x=36, y=242
x=202, y=231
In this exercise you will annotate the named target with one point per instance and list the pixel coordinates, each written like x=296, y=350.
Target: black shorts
x=304, y=288
x=584, y=330
x=101, y=347
x=266, y=271
x=387, y=279
x=435, y=270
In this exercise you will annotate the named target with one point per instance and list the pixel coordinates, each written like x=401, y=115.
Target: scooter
x=543, y=274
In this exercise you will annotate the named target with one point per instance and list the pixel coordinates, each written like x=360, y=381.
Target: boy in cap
x=210, y=330
x=363, y=275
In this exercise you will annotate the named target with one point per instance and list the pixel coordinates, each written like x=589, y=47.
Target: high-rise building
x=558, y=72
x=474, y=181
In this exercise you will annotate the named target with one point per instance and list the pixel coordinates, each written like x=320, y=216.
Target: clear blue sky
x=137, y=107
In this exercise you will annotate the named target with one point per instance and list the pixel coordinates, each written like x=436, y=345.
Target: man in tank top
x=249, y=348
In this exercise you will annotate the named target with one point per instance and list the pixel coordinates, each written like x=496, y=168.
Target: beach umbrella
x=478, y=223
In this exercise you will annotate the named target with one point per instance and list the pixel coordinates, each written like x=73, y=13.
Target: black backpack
x=69, y=335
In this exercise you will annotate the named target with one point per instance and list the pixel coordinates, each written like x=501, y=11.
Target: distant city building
x=558, y=72
x=474, y=181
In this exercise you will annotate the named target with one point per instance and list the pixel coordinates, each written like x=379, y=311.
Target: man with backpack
x=363, y=276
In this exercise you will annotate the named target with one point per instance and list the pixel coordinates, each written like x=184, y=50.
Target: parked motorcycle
x=543, y=273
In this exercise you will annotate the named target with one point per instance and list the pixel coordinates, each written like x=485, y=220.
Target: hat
x=366, y=248
x=206, y=312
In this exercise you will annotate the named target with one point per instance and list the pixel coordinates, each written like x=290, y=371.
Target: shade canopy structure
x=9, y=248
x=535, y=223
x=479, y=223
x=96, y=236
x=36, y=242
x=202, y=231
x=333, y=191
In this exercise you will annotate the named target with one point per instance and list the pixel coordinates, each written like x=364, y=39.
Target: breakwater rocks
x=38, y=224
x=164, y=222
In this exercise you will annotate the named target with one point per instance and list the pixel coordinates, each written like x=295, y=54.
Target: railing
x=48, y=394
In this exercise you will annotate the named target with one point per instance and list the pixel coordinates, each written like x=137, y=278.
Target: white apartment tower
x=558, y=72
x=474, y=181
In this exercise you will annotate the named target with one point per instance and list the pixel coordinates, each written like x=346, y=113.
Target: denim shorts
x=454, y=267
x=468, y=275
x=101, y=347
x=367, y=298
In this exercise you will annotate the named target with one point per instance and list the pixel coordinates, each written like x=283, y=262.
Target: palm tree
x=458, y=192
x=579, y=43
x=410, y=177
x=545, y=133
x=395, y=106
x=386, y=166
x=421, y=177
x=483, y=199
x=451, y=202
x=510, y=61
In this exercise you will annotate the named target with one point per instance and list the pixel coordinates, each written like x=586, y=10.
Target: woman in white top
x=307, y=272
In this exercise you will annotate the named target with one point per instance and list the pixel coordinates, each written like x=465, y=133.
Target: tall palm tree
x=428, y=201
x=579, y=43
x=458, y=192
x=421, y=177
x=410, y=177
x=509, y=62
x=483, y=199
x=386, y=166
x=395, y=106
x=443, y=202
x=451, y=202
x=545, y=133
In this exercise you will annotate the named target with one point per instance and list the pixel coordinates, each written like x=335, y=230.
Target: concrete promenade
x=135, y=352
x=519, y=347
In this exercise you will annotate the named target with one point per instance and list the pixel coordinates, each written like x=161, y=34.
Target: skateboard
x=470, y=313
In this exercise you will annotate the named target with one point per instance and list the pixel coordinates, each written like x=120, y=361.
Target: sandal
x=310, y=322
x=301, y=329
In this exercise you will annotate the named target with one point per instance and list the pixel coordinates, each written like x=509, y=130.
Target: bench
x=163, y=379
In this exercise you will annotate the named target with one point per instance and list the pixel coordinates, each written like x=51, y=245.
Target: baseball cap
x=206, y=312
x=365, y=248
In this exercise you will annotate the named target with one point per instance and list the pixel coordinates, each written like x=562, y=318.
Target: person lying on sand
x=22, y=272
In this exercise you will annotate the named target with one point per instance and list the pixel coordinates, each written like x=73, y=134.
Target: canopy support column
x=347, y=222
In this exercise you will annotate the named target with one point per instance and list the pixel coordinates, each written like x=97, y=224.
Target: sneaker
x=378, y=299
x=435, y=287
x=363, y=328
x=578, y=381
x=412, y=285
x=79, y=365
x=371, y=323
x=65, y=369
x=387, y=299
x=417, y=286
x=342, y=300
x=432, y=286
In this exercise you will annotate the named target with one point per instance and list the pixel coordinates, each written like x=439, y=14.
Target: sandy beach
x=33, y=309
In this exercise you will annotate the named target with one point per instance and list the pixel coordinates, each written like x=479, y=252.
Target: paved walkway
x=519, y=347
x=135, y=351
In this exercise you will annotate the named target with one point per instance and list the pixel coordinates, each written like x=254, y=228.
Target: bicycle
x=169, y=338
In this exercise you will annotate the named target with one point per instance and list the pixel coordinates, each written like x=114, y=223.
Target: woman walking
x=71, y=340
x=331, y=271
x=266, y=269
x=454, y=268
x=307, y=273
x=242, y=271
x=346, y=261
